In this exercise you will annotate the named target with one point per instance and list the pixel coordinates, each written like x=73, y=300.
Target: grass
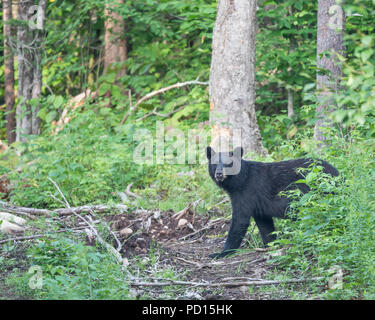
x=333, y=229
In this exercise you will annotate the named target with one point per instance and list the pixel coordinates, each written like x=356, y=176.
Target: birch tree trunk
x=232, y=75
x=9, y=73
x=29, y=49
x=331, y=24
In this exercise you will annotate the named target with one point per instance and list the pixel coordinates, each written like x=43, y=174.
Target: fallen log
x=73, y=104
x=61, y=211
x=222, y=284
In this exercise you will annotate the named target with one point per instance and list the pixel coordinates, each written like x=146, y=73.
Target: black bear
x=254, y=188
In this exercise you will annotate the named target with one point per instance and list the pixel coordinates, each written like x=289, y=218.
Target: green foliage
x=169, y=41
x=286, y=54
x=89, y=162
x=335, y=223
x=357, y=102
x=72, y=270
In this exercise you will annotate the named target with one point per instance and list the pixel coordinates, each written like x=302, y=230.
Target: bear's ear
x=210, y=153
x=238, y=152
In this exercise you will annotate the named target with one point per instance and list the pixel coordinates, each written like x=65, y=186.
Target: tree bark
x=29, y=48
x=331, y=24
x=9, y=73
x=115, y=42
x=232, y=76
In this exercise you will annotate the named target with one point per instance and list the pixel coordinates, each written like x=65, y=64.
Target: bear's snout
x=219, y=175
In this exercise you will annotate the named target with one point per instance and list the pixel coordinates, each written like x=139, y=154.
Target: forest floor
x=175, y=248
x=186, y=250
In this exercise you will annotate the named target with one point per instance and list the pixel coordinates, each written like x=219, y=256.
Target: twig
x=241, y=279
x=222, y=284
x=221, y=202
x=247, y=261
x=197, y=264
x=200, y=230
x=154, y=93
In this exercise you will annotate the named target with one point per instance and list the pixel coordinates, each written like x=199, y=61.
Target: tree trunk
x=29, y=46
x=115, y=43
x=232, y=76
x=9, y=73
x=331, y=24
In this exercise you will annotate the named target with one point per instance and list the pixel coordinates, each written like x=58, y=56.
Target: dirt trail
x=186, y=250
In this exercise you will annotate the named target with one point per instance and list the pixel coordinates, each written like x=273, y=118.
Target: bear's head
x=222, y=165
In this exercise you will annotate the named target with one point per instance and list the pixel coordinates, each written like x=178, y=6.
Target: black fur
x=254, y=192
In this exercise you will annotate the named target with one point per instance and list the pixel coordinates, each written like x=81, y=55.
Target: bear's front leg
x=237, y=231
x=266, y=229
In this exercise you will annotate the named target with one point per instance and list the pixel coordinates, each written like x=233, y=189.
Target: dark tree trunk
x=9, y=73
x=29, y=47
x=232, y=76
x=115, y=43
x=331, y=24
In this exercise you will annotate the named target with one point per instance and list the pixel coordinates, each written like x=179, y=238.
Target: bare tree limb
x=129, y=193
x=160, y=114
x=154, y=93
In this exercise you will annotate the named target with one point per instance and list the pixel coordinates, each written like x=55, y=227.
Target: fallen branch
x=129, y=193
x=61, y=211
x=95, y=232
x=154, y=93
x=180, y=214
x=222, y=284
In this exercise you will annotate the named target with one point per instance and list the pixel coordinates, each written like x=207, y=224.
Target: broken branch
x=154, y=93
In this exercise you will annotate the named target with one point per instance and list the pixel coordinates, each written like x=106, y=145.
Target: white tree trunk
x=29, y=47
x=232, y=76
